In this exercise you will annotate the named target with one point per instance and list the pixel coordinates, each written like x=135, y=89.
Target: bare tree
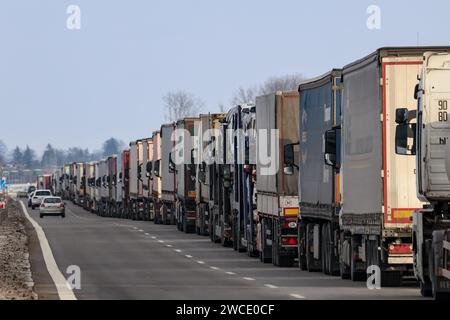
x=181, y=104
x=243, y=95
x=283, y=83
x=271, y=85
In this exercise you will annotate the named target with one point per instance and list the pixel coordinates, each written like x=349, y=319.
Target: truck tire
x=435, y=258
x=264, y=257
x=311, y=264
x=355, y=274
x=302, y=247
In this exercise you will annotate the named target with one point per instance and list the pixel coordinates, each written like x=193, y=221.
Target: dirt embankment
x=16, y=282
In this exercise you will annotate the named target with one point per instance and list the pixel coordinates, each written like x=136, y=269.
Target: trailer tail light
x=289, y=241
x=400, y=249
x=290, y=212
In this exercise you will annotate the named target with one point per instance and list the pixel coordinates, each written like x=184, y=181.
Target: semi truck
x=111, y=179
x=237, y=148
x=167, y=173
x=424, y=132
x=203, y=183
x=44, y=182
x=154, y=171
x=125, y=166
x=319, y=183
x=182, y=160
x=90, y=186
x=65, y=183
x=378, y=186
x=136, y=200
x=277, y=123
x=145, y=172
x=103, y=187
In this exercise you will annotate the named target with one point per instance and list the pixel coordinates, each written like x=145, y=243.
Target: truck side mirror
x=139, y=172
x=416, y=91
x=149, y=168
x=403, y=132
x=401, y=115
x=156, y=169
x=289, y=159
x=192, y=164
x=330, y=147
x=172, y=166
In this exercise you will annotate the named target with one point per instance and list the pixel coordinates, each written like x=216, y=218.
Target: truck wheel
x=391, y=279
x=344, y=254
x=355, y=273
x=435, y=257
x=312, y=265
x=325, y=250
x=426, y=289
x=264, y=256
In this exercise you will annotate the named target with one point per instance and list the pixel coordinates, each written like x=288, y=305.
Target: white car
x=38, y=196
x=52, y=206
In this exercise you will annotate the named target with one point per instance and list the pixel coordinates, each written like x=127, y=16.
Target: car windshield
x=42, y=193
x=52, y=200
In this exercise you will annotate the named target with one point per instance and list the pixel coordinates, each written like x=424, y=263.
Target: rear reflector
x=400, y=249
x=290, y=212
x=289, y=241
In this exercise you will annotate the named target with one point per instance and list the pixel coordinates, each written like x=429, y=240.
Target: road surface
x=123, y=259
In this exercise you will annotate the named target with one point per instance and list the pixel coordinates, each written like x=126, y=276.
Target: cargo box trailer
x=379, y=193
x=204, y=180
x=183, y=161
x=319, y=183
x=136, y=204
x=168, y=176
x=155, y=175
x=277, y=122
x=147, y=155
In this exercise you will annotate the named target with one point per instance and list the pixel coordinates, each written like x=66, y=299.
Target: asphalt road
x=123, y=259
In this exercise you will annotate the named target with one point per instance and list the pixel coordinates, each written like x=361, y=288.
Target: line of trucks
x=349, y=172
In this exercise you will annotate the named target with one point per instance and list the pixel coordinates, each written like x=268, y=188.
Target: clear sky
x=80, y=87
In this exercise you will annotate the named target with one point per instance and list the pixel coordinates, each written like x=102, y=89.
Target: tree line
x=26, y=158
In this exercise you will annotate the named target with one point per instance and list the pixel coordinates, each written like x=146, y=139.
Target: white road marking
x=214, y=268
x=178, y=250
x=188, y=256
x=153, y=237
x=135, y=228
x=141, y=230
x=271, y=286
x=248, y=279
x=64, y=290
x=230, y=273
x=297, y=296
x=200, y=262
x=160, y=241
x=169, y=246
x=147, y=234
